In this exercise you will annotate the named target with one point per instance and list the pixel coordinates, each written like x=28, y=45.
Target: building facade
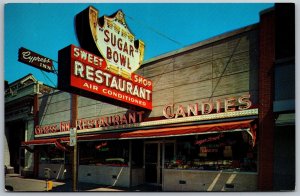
x=277, y=98
x=20, y=103
x=215, y=124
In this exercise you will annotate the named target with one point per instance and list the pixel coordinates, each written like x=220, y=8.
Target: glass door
x=157, y=155
x=153, y=162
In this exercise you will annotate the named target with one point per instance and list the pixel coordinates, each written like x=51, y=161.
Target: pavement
x=21, y=184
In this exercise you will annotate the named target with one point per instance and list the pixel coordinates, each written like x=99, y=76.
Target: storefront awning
x=245, y=125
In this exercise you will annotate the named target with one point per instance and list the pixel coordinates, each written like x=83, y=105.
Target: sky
x=45, y=28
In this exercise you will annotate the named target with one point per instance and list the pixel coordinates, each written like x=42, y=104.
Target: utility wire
x=223, y=72
x=50, y=95
x=155, y=31
x=45, y=75
x=160, y=34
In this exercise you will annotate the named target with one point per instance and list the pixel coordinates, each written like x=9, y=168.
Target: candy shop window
x=113, y=153
x=230, y=151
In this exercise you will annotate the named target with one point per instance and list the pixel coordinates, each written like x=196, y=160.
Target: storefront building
x=206, y=130
x=277, y=98
x=20, y=103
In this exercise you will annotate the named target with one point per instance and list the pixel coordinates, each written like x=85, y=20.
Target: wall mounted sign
x=102, y=146
x=209, y=139
x=123, y=120
x=110, y=37
x=225, y=105
x=84, y=73
x=33, y=59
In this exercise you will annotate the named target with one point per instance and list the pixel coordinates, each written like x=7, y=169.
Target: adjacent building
x=20, y=104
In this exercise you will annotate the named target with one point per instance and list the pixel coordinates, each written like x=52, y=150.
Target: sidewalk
x=21, y=184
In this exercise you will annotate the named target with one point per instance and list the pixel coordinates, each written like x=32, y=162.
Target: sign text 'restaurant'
x=85, y=124
x=88, y=73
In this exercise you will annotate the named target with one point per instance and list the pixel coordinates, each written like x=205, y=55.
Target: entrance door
x=153, y=163
x=15, y=136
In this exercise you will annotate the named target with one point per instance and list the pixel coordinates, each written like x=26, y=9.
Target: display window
x=49, y=154
x=137, y=153
x=113, y=153
x=231, y=151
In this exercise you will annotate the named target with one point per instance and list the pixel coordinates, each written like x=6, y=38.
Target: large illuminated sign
x=84, y=73
x=110, y=37
x=104, y=65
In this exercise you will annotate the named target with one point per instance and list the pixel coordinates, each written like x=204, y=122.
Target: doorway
x=156, y=155
x=15, y=135
x=152, y=163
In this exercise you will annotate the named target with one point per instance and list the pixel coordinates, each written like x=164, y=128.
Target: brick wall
x=266, y=95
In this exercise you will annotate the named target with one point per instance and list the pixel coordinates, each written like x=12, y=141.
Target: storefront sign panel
x=33, y=59
x=112, y=39
x=84, y=71
x=106, y=122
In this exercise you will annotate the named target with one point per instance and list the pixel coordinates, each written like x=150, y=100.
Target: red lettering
x=168, y=111
x=123, y=60
x=124, y=119
x=229, y=105
x=113, y=39
x=245, y=102
x=193, y=109
x=45, y=129
x=108, y=52
x=115, y=56
x=131, y=50
x=180, y=111
x=64, y=127
x=132, y=118
x=140, y=114
x=101, y=145
x=79, y=124
x=37, y=130
x=125, y=49
x=120, y=45
x=207, y=107
x=116, y=120
x=218, y=106
x=106, y=33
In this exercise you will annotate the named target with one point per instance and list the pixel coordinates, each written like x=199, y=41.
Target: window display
x=230, y=151
x=137, y=153
x=51, y=155
x=113, y=153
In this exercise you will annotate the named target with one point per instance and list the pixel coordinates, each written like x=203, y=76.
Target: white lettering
x=78, y=70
